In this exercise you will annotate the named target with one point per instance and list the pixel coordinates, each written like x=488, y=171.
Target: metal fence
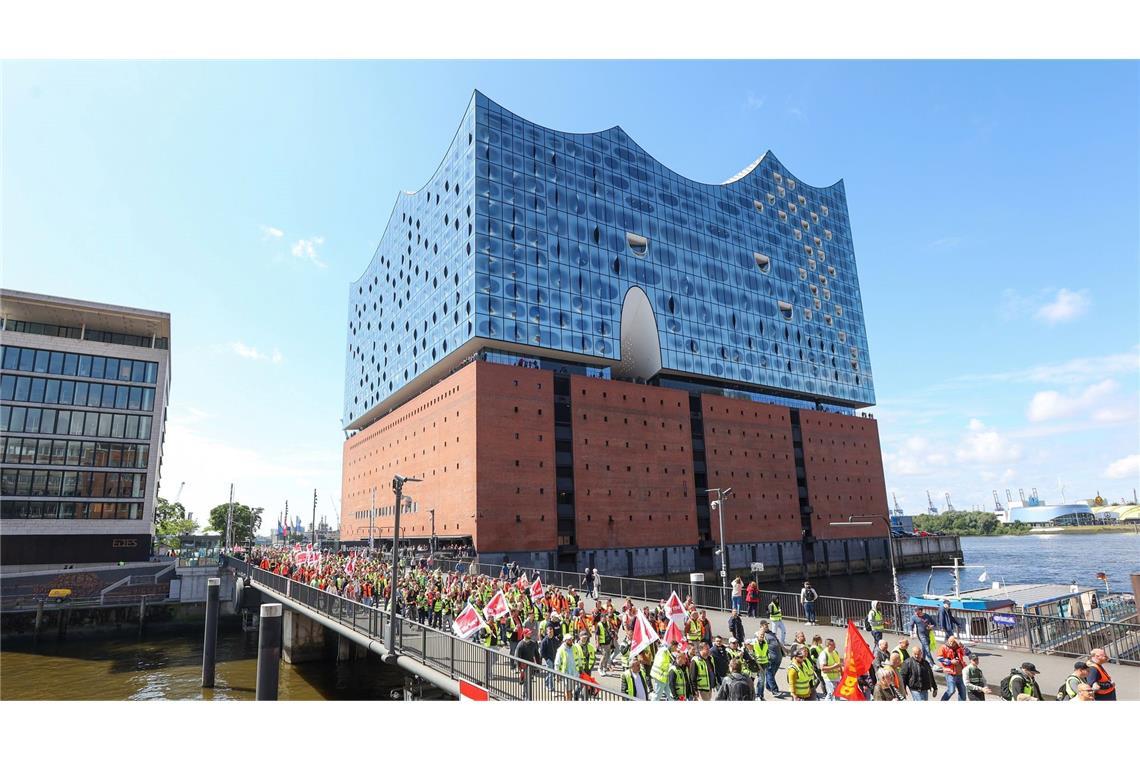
x=1024, y=631
x=503, y=676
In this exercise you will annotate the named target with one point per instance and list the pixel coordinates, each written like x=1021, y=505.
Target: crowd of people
x=690, y=661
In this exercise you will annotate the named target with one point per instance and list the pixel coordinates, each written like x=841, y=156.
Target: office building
x=84, y=389
x=570, y=343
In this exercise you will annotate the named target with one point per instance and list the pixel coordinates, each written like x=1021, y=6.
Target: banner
x=675, y=610
x=521, y=582
x=857, y=661
x=497, y=607
x=536, y=591
x=643, y=635
x=674, y=633
x=467, y=622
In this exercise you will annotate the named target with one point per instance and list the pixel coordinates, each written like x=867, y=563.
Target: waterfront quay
x=441, y=659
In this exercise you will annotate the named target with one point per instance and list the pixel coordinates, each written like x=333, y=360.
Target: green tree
x=170, y=523
x=968, y=524
x=246, y=521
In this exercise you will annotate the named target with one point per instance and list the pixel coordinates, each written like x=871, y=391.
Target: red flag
x=521, y=582
x=536, y=591
x=674, y=633
x=497, y=607
x=675, y=610
x=350, y=566
x=467, y=622
x=643, y=634
x=856, y=662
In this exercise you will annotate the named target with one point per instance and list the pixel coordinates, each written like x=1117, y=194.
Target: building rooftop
x=71, y=312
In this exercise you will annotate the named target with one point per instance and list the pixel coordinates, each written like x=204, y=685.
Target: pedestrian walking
x=752, y=597
x=1103, y=687
x=737, y=594
x=801, y=677
x=633, y=681
x=874, y=622
x=917, y=675
x=1073, y=682
x=830, y=667
x=736, y=625
x=702, y=674
x=950, y=625
x=953, y=659
x=1021, y=684
x=975, y=681
x=808, y=597
x=736, y=687
x=777, y=618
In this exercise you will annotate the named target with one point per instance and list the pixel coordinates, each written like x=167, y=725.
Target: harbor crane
x=897, y=510
x=930, y=504
x=949, y=505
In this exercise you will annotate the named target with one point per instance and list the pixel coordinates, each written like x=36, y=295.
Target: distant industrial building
x=83, y=394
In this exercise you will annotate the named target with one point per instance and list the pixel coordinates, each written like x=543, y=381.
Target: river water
x=167, y=663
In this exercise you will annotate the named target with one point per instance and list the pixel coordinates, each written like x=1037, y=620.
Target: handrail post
x=452, y=657
x=487, y=667
x=423, y=644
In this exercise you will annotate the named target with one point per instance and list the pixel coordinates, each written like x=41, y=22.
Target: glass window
x=94, y=395
x=110, y=484
x=8, y=387
x=73, y=449
x=148, y=399
x=76, y=423
x=55, y=479
x=47, y=421
x=34, y=510
x=98, y=483
x=105, y=425
x=5, y=417
x=67, y=391
x=36, y=395
x=140, y=485
x=55, y=363
x=108, y=401
x=11, y=357
x=152, y=372
x=28, y=451
x=144, y=427
x=94, y=510
x=59, y=452
x=62, y=422
x=70, y=364
x=41, y=361
x=32, y=421
x=122, y=394
x=8, y=482
x=132, y=426
x=16, y=424
x=84, y=366
x=27, y=359
x=87, y=458
x=24, y=482
x=43, y=451
x=98, y=366
x=111, y=371
x=118, y=428
x=143, y=458
x=91, y=423
x=128, y=458
x=134, y=401
x=23, y=385
x=115, y=456
x=11, y=449
x=124, y=511
x=67, y=509
x=51, y=392
x=39, y=482
x=125, y=369
x=136, y=511
x=138, y=372
x=101, y=454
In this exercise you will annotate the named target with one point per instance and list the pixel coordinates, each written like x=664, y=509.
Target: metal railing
x=1033, y=633
x=30, y=603
x=504, y=677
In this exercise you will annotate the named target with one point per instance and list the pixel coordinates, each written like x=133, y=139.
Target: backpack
x=1003, y=688
x=867, y=622
x=1063, y=692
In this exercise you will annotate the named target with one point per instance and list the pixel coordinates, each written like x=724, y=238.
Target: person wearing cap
x=800, y=676
x=1023, y=683
x=1073, y=681
x=527, y=651
x=808, y=595
x=975, y=681
x=953, y=659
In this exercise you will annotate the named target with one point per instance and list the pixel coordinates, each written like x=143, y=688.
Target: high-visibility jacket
x=1071, y=684
x=1102, y=678
x=832, y=659
x=704, y=679
x=586, y=656
x=799, y=679
x=603, y=632
x=774, y=612
x=760, y=651
x=738, y=654
x=661, y=665
x=695, y=631
x=678, y=681
x=561, y=662
x=567, y=628
x=490, y=635
x=627, y=683
x=876, y=619
x=903, y=653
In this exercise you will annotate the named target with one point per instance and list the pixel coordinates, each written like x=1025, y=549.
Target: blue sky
x=994, y=208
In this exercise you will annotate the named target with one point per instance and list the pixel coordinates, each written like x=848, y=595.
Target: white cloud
x=1127, y=467
x=1072, y=371
x=753, y=103
x=1067, y=306
x=254, y=354
x=1051, y=405
x=986, y=445
x=268, y=232
x=915, y=456
x=306, y=248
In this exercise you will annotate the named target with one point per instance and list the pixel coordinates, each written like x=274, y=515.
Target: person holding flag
x=856, y=662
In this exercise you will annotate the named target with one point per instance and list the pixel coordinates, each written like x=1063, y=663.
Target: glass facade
x=68, y=433
x=533, y=237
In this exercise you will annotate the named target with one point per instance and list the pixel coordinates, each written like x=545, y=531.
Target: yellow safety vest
x=661, y=665
x=677, y=677
x=801, y=684
x=627, y=683
x=695, y=630
x=702, y=667
x=876, y=620
x=760, y=650
x=832, y=659
x=774, y=612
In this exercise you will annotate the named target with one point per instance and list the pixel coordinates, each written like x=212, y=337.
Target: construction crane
x=997, y=503
x=949, y=506
x=898, y=510
x=930, y=504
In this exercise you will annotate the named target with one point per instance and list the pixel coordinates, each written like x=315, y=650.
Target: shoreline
x=1074, y=529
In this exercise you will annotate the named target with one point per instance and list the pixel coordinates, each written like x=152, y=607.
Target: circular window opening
x=637, y=243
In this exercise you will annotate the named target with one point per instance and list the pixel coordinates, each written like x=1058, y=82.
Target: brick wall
x=844, y=468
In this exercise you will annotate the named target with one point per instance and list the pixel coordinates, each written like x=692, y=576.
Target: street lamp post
x=718, y=505
x=432, y=513
x=372, y=521
x=865, y=520
x=397, y=486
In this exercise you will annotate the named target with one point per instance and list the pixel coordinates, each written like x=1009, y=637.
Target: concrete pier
x=303, y=639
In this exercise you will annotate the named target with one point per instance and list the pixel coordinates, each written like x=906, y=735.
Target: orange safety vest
x=1102, y=677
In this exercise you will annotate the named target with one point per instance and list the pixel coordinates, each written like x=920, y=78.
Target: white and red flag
x=674, y=633
x=536, y=591
x=675, y=610
x=497, y=607
x=643, y=635
x=467, y=622
x=350, y=566
x=521, y=582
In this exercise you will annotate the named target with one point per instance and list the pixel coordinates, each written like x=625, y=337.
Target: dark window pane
x=67, y=510
x=12, y=450
x=27, y=359
x=11, y=357
x=135, y=399
x=59, y=452
x=7, y=387
x=101, y=454
x=111, y=485
x=55, y=479
x=67, y=392
x=43, y=451
x=39, y=483
x=122, y=394
x=51, y=392
x=138, y=372
x=148, y=399
x=28, y=451
x=24, y=484
x=87, y=457
x=32, y=422
x=5, y=417
x=8, y=482
x=16, y=424
x=128, y=459
x=36, y=395
x=111, y=372
x=23, y=385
